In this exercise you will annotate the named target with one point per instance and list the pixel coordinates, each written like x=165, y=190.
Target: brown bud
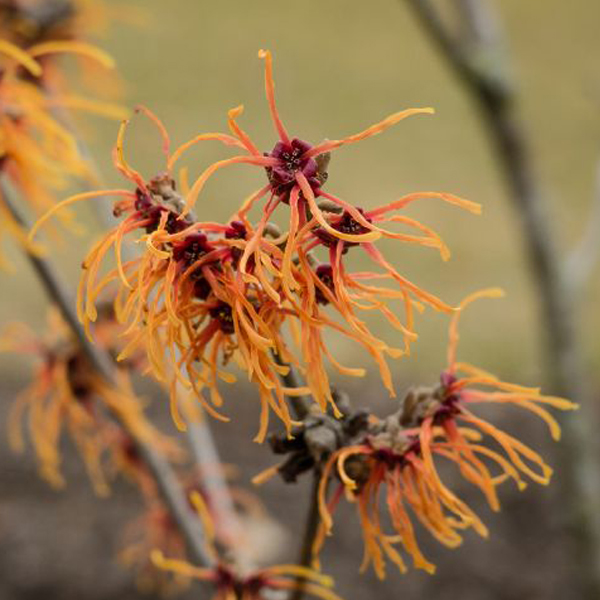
x=415, y=405
x=330, y=206
x=272, y=230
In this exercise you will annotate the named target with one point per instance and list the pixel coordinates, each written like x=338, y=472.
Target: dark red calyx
x=345, y=224
x=202, y=287
x=236, y=230
x=450, y=399
x=447, y=379
x=348, y=224
x=225, y=579
x=253, y=585
x=129, y=449
x=390, y=458
x=448, y=410
x=290, y=160
x=192, y=248
x=150, y=209
x=224, y=315
x=78, y=377
x=393, y=459
x=324, y=273
x=143, y=200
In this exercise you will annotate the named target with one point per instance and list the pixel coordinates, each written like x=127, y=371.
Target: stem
x=582, y=260
x=311, y=527
x=199, y=435
x=482, y=71
x=166, y=480
x=301, y=407
x=213, y=481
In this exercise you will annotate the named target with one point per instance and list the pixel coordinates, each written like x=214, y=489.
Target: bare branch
x=208, y=463
x=166, y=480
x=479, y=23
x=483, y=69
x=311, y=527
x=581, y=262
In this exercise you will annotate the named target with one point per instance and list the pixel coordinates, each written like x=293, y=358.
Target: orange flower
x=393, y=461
x=441, y=416
x=297, y=173
x=207, y=292
x=399, y=454
x=231, y=586
x=182, y=301
x=37, y=153
x=68, y=397
x=331, y=284
x=152, y=531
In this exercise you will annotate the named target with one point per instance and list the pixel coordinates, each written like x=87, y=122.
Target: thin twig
x=484, y=72
x=480, y=26
x=581, y=262
x=311, y=527
x=209, y=465
x=166, y=480
x=199, y=435
x=198, y=432
x=301, y=407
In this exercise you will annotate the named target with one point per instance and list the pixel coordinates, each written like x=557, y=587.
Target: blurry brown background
x=339, y=66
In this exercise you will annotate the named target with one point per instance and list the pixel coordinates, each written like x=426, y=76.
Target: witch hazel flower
x=208, y=292
x=182, y=300
x=462, y=386
x=296, y=172
x=38, y=154
x=331, y=285
x=67, y=399
x=258, y=585
x=398, y=458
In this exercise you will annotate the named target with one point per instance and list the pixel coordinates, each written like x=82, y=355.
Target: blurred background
x=340, y=66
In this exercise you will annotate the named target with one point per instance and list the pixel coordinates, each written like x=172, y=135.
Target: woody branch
x=167, y=483
x=481, y=65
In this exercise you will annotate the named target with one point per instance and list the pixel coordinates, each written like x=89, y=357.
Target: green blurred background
x=340, y=66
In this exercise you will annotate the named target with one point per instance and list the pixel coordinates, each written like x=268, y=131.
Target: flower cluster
x=398, y=453
x=255, y=586
x=28, y=22
x=155, y=530
x=204, y=293
x=50, y=27
x=204, y=299
x=38, y=153
x=68, y=398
